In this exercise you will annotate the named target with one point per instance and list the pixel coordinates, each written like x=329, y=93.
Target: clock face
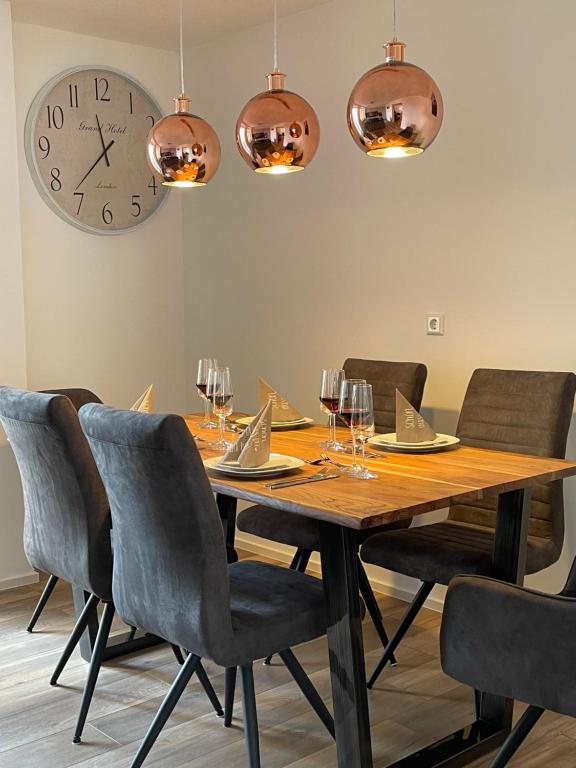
x=86, y=147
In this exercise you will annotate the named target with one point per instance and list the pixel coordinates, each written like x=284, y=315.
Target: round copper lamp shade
x=395, y=109
x=277, y=131
x=183, y=149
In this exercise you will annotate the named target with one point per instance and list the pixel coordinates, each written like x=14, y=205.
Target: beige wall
x=105, y=313
x=13, y=566
x=101, y=312
x=286, y=275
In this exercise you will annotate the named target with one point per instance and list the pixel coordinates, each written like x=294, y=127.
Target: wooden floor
x=411, y=705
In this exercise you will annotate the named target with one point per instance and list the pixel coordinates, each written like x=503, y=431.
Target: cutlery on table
x=324, y=474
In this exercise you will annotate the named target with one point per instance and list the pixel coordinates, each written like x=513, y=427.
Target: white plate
x=389, y=441
x=278, y=425
x=277, y=464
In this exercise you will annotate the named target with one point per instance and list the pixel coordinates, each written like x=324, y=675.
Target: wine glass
x=330, y=384
x=362, y=424
x=219, y=392
x=345, y=410
x=205, y=365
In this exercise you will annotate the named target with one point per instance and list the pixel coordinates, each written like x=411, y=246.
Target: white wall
x=14, y=568
x=286, y=275
x=106, y=313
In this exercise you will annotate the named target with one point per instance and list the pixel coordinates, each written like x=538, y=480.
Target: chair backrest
x=170, y=567
x=66, y=520
x=385, y=378
x=78, y=397
x=524, y=412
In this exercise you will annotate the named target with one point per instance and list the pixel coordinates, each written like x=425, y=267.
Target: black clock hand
x=100, y=156
x=102, y=141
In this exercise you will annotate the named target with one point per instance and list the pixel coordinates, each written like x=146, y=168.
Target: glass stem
x=332, y=428
x=353, y=448
x=206, y=411
x=222, y=423
x=363, y=444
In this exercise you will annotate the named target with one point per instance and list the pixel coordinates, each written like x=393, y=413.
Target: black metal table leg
x=493, y=725
x=340, y=575
x=227, y=508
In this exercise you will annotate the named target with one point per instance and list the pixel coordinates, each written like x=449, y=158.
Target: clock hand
x=100, y=156
x=102, y=141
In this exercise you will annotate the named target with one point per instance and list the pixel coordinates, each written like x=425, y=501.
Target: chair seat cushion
x=273, y=608
x=294, y=530
x=440, y=551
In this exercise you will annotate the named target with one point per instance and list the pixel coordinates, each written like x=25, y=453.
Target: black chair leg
x=170, y=701
x=515, y=739
x=177, y=654
x=47, y=591
x=74, y=639
x=404, y=626
x=299, y=563
x=210, y=692
x=373, y=608
x=230, y=688
x=250, y=716
x=304, y=560
x=305, y=685
x=95, y=664
x=477, y=703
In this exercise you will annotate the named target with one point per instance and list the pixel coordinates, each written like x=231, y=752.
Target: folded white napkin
x=145, y=402
x=411, y=427
x=281, y=409
x=252, y=449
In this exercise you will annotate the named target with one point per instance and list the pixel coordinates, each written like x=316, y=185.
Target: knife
x=301, y=481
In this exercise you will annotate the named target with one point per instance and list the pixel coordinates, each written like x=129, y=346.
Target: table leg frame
x=338, y=549
x=494, y=723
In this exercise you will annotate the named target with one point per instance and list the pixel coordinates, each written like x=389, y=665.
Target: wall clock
x=85, y=139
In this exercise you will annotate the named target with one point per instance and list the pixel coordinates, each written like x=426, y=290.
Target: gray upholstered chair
x=66, y=515
x=78, y=398
x=171, y=577
x=302, y=533
x=520, y=411
x=498, y=639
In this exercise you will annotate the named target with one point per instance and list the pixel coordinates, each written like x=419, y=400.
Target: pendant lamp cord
x=181, y=50
x=395, y=37
x=275, y=36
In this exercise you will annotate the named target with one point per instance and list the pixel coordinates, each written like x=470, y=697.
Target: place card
x=282, y=411
x=252, y=449
x=145, y=402
x=411, y=426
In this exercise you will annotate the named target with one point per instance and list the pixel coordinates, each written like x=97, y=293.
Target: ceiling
x=152, y=22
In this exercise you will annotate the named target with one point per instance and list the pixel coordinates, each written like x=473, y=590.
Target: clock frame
x=85, y=142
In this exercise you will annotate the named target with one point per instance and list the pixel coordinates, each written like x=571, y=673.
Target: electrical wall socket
x=435, y=325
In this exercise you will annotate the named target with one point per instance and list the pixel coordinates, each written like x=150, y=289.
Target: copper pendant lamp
x=183, y=149
x=277, y=132
x=395, y=109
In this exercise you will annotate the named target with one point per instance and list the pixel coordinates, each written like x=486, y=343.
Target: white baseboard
x=277, y=552
x=19, y=581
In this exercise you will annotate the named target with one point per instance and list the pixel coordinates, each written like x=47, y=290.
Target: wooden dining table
x=407, y=485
